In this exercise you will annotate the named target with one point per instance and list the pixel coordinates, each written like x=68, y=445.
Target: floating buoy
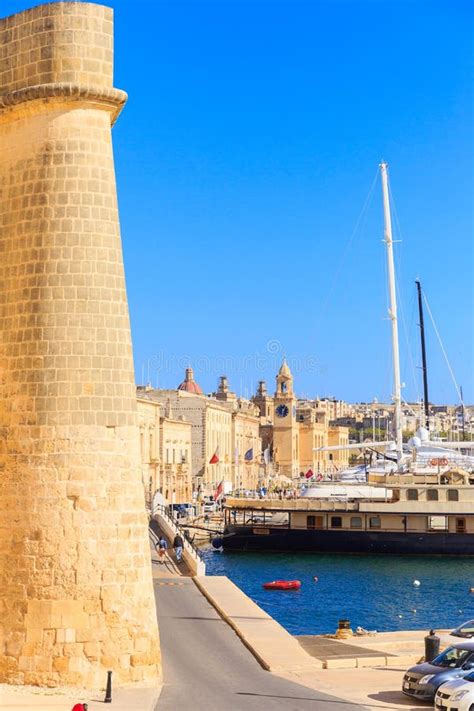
x=471, y=590
x=316, y=580
x=400, y=616
x=413, y=611
x=416, y=583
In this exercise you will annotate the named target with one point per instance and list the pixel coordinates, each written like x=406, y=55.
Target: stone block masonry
x=76, y=595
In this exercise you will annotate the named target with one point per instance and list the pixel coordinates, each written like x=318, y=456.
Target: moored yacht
x=431, y=514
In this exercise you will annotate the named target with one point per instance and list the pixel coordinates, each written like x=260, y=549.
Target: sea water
x=375, y=592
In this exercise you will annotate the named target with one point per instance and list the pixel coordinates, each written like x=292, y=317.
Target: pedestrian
x=80, y=707
x=178, y=547
x=162, y=548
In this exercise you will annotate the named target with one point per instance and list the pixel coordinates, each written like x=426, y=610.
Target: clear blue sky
x=244, y=157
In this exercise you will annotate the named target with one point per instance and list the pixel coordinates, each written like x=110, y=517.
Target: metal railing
x=167, y=515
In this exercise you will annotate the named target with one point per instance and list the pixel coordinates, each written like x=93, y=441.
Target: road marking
x=170, y=583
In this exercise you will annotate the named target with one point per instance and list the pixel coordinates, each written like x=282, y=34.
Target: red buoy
x=283, y=585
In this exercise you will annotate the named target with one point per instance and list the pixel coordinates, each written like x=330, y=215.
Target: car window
x=452, y=657
x=467, y=629
x=469, y=677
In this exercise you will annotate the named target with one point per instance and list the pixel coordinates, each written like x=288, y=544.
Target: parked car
x=457, y=695
x=422, y=680
x=465, y=630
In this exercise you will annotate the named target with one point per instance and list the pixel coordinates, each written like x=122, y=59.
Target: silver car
x=423, y=680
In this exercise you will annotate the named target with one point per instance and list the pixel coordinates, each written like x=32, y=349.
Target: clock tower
x=285, y=427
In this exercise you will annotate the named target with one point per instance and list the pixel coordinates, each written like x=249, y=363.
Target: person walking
x=178, y=547
x=162, y=548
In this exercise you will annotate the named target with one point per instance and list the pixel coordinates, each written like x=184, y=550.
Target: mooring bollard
x=344, y=629
x=108, y=691
x=432, y=642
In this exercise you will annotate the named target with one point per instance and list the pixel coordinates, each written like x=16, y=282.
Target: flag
x=248, y=456
x=219, y=491
x=215, y=457
x=266, y=455
x=309, y=474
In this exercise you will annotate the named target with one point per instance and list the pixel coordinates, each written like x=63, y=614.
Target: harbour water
x=375, y=592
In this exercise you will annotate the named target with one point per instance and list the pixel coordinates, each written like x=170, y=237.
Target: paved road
x=207, y=668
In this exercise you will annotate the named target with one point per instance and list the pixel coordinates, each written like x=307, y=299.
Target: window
x=336, y=521
x=460, y=525
x=374, y=522
x=313, y=522
x=412, y=494
x=356, y=521
x=453, y=495
x=452, y=657
x=438, y=523
x=432, y=495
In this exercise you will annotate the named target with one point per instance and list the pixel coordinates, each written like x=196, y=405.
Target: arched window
x=432, y=495
x=453, y=495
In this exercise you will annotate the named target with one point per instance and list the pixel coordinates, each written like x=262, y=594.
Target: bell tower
x=285, y=427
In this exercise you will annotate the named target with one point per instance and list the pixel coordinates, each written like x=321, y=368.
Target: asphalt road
x=207, y=668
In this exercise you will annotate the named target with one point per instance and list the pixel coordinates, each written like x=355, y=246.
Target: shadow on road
x=303, y=698
x=396, y=697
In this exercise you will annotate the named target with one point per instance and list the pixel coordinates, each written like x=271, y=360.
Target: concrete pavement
x=378, y=689
x=274, y=647
x=207, y=668
x=22, y=698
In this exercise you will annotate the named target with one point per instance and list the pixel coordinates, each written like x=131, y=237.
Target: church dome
x=189, y=385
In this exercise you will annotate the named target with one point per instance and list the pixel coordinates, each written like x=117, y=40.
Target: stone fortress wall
x=76, y=594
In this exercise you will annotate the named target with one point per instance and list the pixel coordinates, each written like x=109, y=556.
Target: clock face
x=282, y=410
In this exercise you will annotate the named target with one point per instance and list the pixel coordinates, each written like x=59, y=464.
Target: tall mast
x=397, y=398
x=426, y=402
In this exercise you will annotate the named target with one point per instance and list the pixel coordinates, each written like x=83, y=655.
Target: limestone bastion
x=76, y=595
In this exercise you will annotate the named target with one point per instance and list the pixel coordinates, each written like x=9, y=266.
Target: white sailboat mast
x=397, y=398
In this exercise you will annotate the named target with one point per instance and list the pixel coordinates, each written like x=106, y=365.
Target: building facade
x=247, y=466
x=165, y=452
x=294, y=430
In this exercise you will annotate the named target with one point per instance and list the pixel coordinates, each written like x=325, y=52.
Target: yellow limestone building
x=293, y=429
x=76, y=595
x=221, y=423
x=165, y=450
x=247, y=470
x=211, y=430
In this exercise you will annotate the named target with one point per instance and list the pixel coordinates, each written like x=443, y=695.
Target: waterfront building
x=165, y=452
x=211, y=431
x=293, y=429
x=76, y=593
x=247, y=466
